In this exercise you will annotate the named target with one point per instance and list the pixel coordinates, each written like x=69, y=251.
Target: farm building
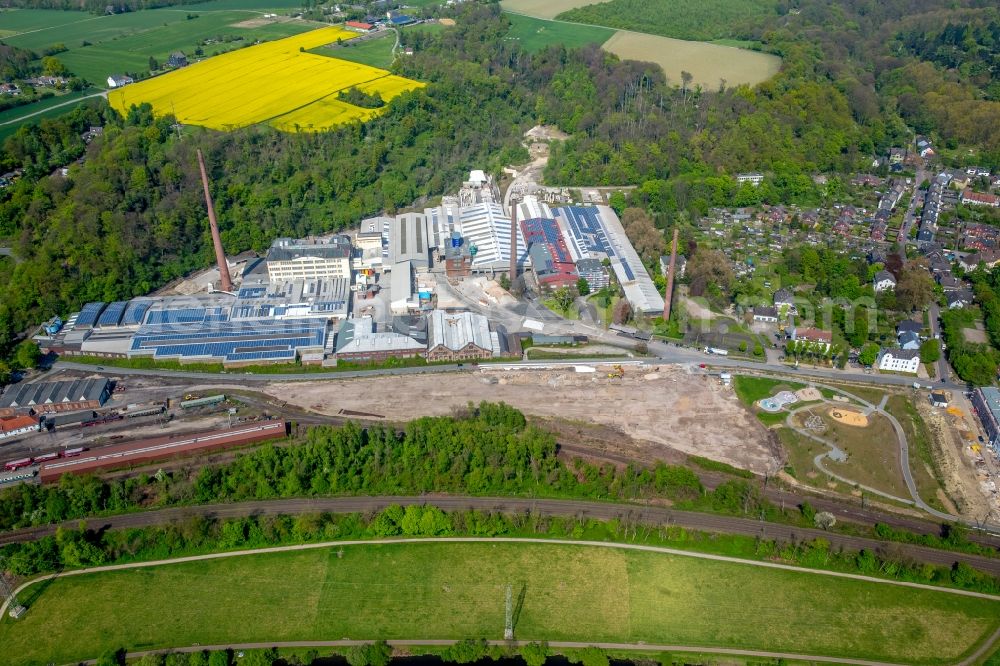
x=460, y=337
x=48, y=397
x=119, y=80
x=359, y=26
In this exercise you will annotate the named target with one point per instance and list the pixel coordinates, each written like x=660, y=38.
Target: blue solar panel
x=180, y=316
x=273, y=355
x=134, y=313
x=252, y=292
x=112, y=314
x=628, y=270
x=234, y=337
x=89, y=313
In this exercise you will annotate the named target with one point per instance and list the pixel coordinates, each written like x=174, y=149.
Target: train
x=13, y=465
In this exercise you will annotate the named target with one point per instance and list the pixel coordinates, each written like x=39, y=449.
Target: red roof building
x=18, y=425
x=359, y=26
x=980, y=199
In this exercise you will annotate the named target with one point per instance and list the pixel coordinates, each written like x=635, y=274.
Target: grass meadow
x=436, y=590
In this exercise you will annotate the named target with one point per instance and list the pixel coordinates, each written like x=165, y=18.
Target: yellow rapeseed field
x=274, y=82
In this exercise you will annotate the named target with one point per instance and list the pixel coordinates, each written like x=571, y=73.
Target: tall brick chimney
x=225, y=280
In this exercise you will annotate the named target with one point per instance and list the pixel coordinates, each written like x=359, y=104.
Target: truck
x=716, y=351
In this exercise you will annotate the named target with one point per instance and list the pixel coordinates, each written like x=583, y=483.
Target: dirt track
x=669, y=408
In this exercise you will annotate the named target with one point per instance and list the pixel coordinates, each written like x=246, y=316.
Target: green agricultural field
x=125, y=42
x=535, y=34
x=375, y=52
x=437, y=590
x=50, y=108
x=700, y=21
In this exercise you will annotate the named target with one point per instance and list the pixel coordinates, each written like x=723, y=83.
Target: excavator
x=617, y=373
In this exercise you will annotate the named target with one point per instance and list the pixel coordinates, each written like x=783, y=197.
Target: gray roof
x=907, y=337
x=909, y=325
x=884, y=275
x=456, y=331
x=358, y=336
x=905, y=354
x=782, y=296
x=766, y=311
x=285, y=249
x=964, y=295
x=80, y=390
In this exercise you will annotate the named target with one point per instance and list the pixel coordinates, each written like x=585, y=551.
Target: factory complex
x=354, y=297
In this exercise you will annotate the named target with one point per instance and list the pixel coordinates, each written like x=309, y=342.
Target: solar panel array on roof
x=252, y=292
x=230, y=341
x=88, y=314
x=134, y=313
x=586, y=228
x=112, y=314
x=178, y=316
x=543, y=230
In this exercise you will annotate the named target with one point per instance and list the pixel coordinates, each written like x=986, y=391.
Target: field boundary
x=632, y=647
x=663, y=550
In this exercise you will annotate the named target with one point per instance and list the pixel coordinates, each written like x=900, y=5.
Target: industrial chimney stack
x=513, y=239
x=225, y=280
x=670, y=279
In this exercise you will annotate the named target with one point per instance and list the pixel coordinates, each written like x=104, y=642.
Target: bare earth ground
x=668, y=409
x=543, y=8
x=957, y=471
x=707, y=63
x=977, y=334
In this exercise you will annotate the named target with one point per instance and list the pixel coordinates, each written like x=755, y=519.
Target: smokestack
x=670, y=278
x=513, y=240
x=225, y=280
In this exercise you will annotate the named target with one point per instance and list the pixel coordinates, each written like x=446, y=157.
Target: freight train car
x=161, y=448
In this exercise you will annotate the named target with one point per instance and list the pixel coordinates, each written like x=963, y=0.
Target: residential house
x=884, y=281
x=989, y=258
x=909, y=326
x=897, y=155
x=949, y=282
x=9, y=89
x=814, y=335
x=971, y=198
x=177, y=59
x=909, y=340
x=117, y=81
x=767, y=314
x=899, y=360
x=784, y=300
x=959, y=298
x=752, y=177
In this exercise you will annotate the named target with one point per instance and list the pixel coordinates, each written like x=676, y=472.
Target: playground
x=849, y=417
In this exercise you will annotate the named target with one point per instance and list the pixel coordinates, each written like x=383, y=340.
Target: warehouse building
x=595, y=232
x=289, y=259
x=409, y=241
x=358, y=341
x=48, y=397
x=460, y=337
x=551, y=261
x=18, y=425
x=986, y=402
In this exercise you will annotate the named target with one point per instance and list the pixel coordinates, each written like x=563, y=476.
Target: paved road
x=551, y=507
x=638, y=647
x=944, y=372
x=553, y=542
x=75, y=100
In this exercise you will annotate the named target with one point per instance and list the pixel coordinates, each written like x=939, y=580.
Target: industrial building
x=595, y=232
x=18, y=425
x=551, y=261
x=357, y=340
x=49, y=397
x=409, y=241
x=487, y=231
x=460, y=337
x=289, y=259
x=986, y=402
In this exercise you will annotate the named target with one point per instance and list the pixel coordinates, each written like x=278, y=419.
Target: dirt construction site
x=666, y=409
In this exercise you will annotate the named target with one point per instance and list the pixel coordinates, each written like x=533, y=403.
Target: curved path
x=988, y=642
x=75, y=100
x=550, y=507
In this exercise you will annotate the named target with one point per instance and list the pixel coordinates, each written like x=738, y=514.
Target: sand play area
x=808, y=394
x=667, y=408
x=848, y=417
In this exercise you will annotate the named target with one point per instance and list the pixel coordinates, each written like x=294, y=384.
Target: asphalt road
x=550, y=507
